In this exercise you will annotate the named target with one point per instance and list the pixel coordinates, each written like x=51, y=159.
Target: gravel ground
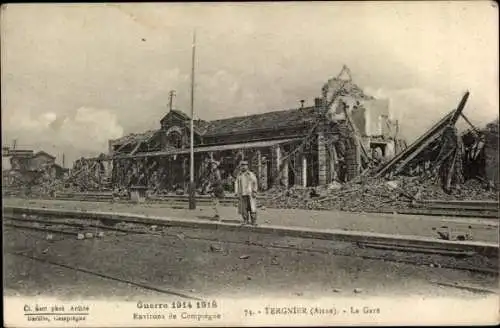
x=184, y=260
x=481, y=229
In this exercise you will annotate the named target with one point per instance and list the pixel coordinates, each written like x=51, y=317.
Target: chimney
x=302, y=103
x=318, y=102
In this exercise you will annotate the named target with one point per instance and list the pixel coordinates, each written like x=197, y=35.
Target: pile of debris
x=373, y=194
x=440, y=165
x=295, y=197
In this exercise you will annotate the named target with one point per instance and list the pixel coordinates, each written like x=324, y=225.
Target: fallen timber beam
x=460, y=108
x=305, y=141
x=470, y=124
x=415, y=148
x=312, y=132
x=398, y=163
x=136, y=148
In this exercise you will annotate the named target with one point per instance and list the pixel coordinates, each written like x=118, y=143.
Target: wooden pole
x=192, y=198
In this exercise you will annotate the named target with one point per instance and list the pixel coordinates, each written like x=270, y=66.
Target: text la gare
x=365, y=310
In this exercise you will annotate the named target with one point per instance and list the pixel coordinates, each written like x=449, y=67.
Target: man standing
x=246, y=190
x=216, y=185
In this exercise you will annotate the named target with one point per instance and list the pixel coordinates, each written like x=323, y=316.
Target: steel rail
x=361, y=245
x=105, y=276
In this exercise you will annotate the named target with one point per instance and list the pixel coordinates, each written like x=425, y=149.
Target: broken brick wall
x=352, y=158
x=376, y=110
x=358, y=115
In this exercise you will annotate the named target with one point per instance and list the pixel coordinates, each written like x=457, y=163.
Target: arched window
x=174, y=139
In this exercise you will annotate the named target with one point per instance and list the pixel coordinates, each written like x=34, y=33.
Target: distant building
x=25, y=165
x=41, y=160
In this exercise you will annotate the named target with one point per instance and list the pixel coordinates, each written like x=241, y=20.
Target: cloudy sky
x=74, y=76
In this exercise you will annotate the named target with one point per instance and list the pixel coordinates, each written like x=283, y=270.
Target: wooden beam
x=460, y=108
x=399, y=162
x=470, y=124
x=136, y=148
x=416, y=147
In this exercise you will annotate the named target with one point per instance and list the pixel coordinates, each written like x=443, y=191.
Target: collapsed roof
x=257, y=122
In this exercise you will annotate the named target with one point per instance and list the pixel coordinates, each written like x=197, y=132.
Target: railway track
x=58, y=227
x=107, y=277
x=415, y=254
x=467, y=208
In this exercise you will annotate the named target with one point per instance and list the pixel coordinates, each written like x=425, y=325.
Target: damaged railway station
x=333, y=140
x=345, y=151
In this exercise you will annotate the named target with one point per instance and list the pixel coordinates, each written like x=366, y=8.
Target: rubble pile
x=81, y=182
x=374, y=194
x=279, y=197
x=441, y=165
x=400, y=193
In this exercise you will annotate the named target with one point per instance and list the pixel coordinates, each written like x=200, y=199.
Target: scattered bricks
x=80, y=236
x=358, y=290
x=100, y=234
x=274, y=261
x=373, y=194
x=49, y=237
x=337, y=290
x=153, y=227
x=89, y=235
x=334, y=186
x=392, y=184
x=216, y=248
x=444, y=234
x=244, y=257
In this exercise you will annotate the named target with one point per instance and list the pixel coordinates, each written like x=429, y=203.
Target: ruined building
x=27, y=167
x=305, y=146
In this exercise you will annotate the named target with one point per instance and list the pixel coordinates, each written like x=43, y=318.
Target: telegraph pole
x=192, y=198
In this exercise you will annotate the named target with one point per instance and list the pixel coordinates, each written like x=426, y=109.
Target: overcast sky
x=74, y=76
